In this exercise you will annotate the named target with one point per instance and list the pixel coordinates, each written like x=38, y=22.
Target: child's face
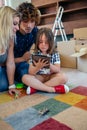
x=43, y=44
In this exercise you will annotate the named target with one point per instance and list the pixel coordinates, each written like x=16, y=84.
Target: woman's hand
x=14, y=91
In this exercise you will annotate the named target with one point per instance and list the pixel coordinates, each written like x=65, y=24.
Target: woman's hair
x=50, y=39
x=29, y=12
x=6, y=25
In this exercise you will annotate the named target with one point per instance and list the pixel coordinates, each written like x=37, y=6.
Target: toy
x=19, y=85
x=43, y=111
x=16, y=95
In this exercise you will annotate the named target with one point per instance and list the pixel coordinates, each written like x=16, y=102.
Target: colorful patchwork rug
x=45, y=111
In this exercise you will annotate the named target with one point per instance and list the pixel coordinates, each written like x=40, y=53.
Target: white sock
x=66, y=88
x=28, y=90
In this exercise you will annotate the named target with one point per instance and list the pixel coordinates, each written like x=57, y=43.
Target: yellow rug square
x=4, y=97
x=70, y=98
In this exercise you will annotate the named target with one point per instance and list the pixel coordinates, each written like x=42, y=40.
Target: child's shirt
x=55, y=59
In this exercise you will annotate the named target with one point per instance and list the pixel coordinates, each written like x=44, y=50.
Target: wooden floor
x=75, y=77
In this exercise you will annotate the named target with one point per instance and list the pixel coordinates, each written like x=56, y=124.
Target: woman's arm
x=10, y=64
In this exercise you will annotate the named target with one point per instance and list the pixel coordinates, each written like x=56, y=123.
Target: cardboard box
x=80, y=44
x=80, y=33
x=80, y=48
x=65, y=50
x=82, y=63
x=81, y=54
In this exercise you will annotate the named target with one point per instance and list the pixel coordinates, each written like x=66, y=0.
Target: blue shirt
x=24, y=42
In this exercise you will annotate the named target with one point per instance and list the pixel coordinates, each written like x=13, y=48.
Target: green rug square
x=53, y=106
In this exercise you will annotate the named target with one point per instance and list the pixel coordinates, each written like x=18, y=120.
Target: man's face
x=26, y=26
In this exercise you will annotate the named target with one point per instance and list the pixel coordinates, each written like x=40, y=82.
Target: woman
x=9, y=24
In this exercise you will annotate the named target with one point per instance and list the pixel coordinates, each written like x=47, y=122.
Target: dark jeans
x=21, y=70
x=3, y=79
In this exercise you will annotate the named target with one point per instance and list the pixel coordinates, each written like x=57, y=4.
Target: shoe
x=61, y=89
x=30, y=90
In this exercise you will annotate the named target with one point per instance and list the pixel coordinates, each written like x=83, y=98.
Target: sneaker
x=30, y=90
x=61, y=89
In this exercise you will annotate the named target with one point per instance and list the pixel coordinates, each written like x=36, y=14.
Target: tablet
x=36, y=57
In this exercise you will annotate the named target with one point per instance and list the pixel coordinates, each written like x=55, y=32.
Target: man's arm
x=25, y=57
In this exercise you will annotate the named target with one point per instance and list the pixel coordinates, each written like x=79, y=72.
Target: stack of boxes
x=73, y=53
x=81, y=36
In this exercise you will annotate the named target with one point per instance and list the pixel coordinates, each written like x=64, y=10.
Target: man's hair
x=29, y=12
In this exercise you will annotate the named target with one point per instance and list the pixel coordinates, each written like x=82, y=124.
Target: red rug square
x=51, y=124
x=80, y=90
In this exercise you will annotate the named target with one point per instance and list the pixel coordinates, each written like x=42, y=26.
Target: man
x=25, y=37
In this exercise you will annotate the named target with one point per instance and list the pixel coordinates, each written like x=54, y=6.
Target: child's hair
x=50, y=39
x=29, y=12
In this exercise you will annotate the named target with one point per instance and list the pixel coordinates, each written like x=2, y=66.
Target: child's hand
x=41, y=63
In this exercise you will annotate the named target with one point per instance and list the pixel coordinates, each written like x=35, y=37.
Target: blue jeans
x=21, y=70
x=3, y=79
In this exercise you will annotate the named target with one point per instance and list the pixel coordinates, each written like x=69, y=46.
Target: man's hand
x=26, y=56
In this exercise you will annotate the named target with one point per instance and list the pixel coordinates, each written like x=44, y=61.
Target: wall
x=15, y=3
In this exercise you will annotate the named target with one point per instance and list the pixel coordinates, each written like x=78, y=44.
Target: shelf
x=76, y=9
x=47, y=25
x=69, y=26
x=48, y=15
x=74, y=15
x=41, y=3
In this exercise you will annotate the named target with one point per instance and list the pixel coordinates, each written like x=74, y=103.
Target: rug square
x=70, y=98
x=52, y=105
x=82, y=104
x=4, y=97
x=50, y=95
x=5, y=126
x=25, y=119
x=20, y=104
x=51, y=124
x=74, y=117
x=80, y=90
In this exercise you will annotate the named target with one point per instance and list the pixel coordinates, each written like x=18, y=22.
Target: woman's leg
x=3, y=79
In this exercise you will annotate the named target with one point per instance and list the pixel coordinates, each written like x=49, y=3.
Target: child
x=50, y=82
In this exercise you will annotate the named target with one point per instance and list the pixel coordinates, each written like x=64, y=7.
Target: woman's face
x=15, y=24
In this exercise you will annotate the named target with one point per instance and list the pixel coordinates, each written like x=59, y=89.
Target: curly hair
x=29, y=12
